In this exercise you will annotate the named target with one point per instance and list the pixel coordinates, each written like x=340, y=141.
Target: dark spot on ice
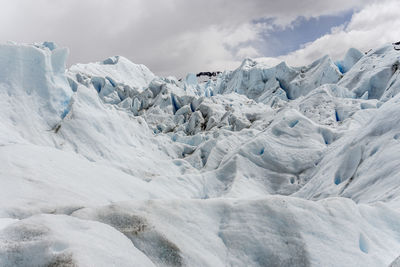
x=66, y=105
x=28, y=232
x=98, y=83
x=391, y=84
x=50, y=45
x=57, y=128
x=340, y=67
x=337, y=179
x=153, y=244
x=284, y=88
x=374, y=150
x=111, y=80
x=62, y=260
x=363, y=244
x=293, y=123
x=174, y=103
x=327, y=136
x=337, y=116
x=395, y=67
x=123, y=221
x=178, y=162
x=72, y=84
x=111, y=60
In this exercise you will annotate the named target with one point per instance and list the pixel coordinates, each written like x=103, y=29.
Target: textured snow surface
x=106, y=164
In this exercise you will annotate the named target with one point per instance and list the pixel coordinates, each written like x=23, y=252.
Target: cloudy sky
x=173, y=37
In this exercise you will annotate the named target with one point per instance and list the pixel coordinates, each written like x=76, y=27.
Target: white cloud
x=170, y=37
x=243, y=33
x=247, y=51
x=375, y=25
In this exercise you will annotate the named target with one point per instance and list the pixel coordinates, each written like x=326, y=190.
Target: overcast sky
x=173, y=37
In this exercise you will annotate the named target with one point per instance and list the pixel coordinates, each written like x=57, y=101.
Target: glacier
x=108, y=164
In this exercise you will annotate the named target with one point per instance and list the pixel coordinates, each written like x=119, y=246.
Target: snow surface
x=106, y=164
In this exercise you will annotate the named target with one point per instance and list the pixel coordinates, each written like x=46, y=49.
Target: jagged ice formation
x=106, y=164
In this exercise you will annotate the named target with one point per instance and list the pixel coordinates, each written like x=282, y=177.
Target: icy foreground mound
x=106, y=164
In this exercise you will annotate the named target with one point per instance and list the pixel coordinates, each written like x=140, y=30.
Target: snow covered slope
x=106, y=164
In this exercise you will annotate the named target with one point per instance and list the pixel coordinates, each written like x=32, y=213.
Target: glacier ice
x=108, y=164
